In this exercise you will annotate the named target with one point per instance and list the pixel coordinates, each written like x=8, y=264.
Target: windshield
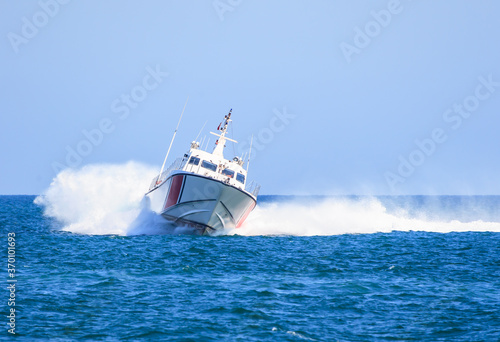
x=240, y=178
x=228, y=172
x=208, y=165
x=194, y=160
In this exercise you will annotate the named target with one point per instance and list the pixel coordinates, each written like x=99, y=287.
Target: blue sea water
x=290, y=284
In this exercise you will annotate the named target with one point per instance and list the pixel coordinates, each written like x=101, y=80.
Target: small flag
x=218, y=128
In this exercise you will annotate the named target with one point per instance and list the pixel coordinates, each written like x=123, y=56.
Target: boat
x=205, y=191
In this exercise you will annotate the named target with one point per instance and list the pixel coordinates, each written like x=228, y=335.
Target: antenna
x=200, y=131
x=172, y=141
x=249, y=153
x=232, y=134
x=202, y=141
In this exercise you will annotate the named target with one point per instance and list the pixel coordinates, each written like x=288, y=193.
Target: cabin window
x=194, y=160
x=229, y=173
x=240, y=178
x=209, y=165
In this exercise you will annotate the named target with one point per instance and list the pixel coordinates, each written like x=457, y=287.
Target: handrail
x=158, y=180
x=253, y=188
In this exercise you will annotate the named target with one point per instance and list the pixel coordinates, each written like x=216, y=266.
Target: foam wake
x=98, y=199
x=337, y=216
x=109, y=199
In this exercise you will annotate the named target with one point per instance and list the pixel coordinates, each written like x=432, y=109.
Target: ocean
x=89, y=265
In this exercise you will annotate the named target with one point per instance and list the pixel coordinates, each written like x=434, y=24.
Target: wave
x=108, y=199
x=335, y=216
x=98, y=199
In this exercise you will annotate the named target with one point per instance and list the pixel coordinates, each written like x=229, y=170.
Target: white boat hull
x=205, y=204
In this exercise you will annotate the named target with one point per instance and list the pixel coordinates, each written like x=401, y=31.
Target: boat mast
x=249, y=153
x=220, y=143
x=171, y=142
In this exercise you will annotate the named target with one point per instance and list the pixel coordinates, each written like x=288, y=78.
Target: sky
x=342, y=97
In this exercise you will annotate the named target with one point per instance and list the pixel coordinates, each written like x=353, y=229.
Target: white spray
x=97, y=199
x=109, y=199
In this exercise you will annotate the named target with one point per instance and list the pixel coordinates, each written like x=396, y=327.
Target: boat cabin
x=214, y=166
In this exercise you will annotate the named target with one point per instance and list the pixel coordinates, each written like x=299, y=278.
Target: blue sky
x=343, y=97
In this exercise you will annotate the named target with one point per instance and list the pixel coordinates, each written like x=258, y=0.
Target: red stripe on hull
x=173, y=193
x=245, y=215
